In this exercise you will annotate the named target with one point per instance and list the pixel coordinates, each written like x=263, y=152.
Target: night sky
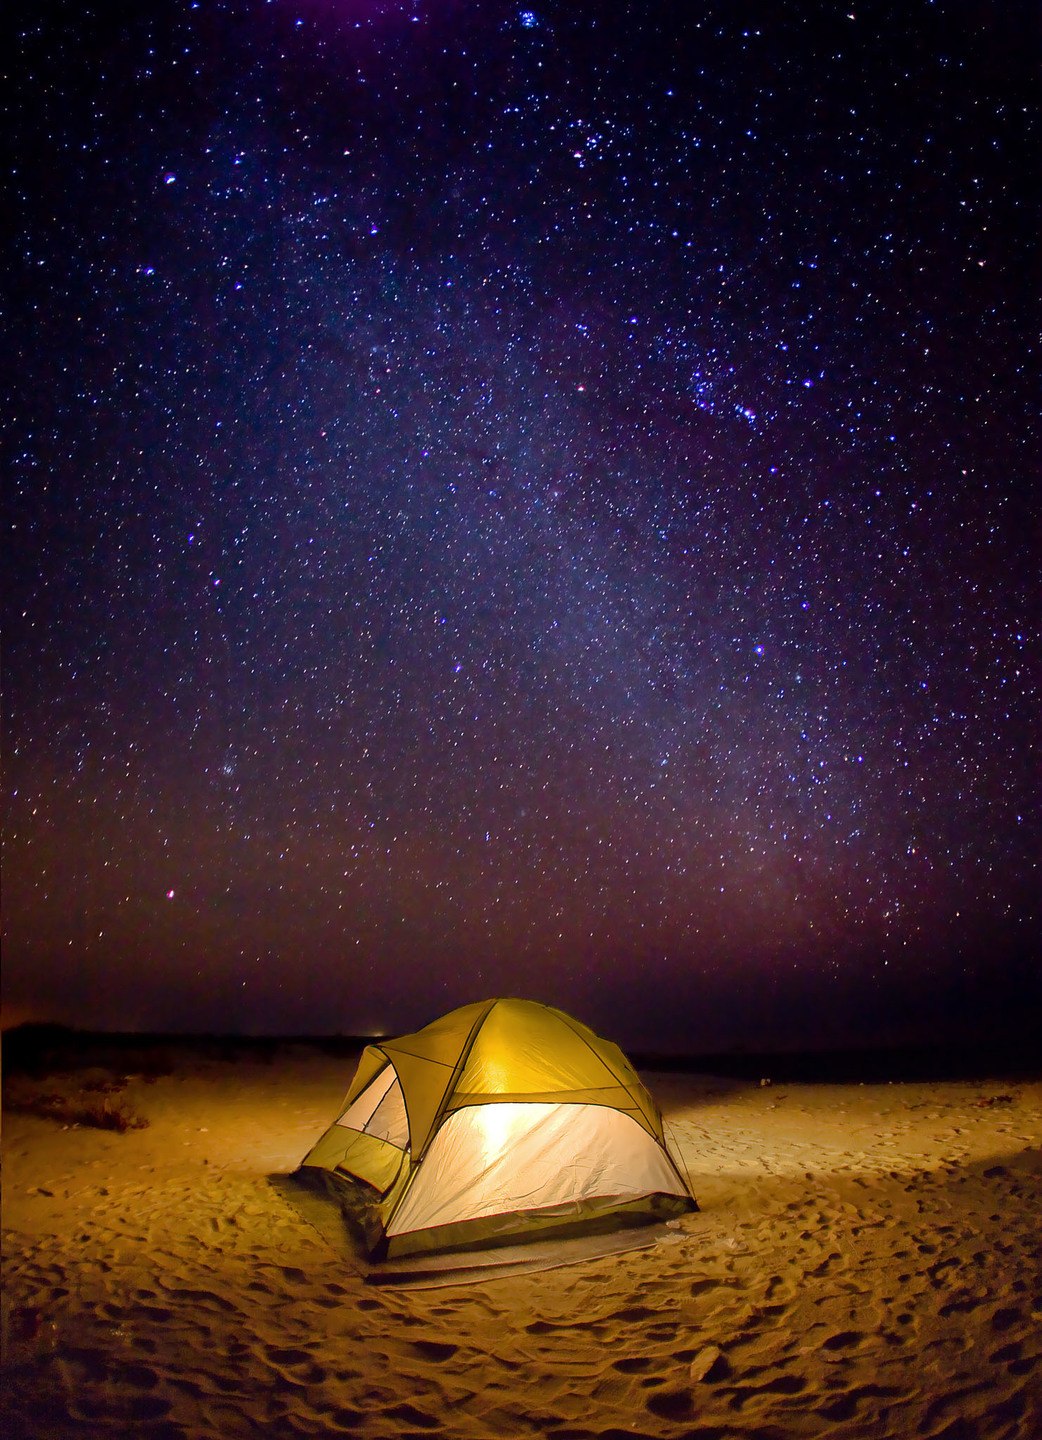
x=530, y=501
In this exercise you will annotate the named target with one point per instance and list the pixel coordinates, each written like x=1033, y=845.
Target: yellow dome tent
x=503, y=1120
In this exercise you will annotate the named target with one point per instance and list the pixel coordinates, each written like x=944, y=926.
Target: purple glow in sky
x=528, y=501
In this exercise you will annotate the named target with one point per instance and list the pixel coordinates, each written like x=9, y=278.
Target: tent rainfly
x=504, y=1120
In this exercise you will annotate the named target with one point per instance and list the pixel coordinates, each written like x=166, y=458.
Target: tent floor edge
x=558, y=1222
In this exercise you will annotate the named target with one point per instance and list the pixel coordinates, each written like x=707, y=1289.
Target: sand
x=866, y=1263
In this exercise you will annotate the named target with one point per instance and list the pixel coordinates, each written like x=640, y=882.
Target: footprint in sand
x=774, y=1284
x=937, y=1269
x=433, y=1350
x=961, y=1303
x=141, y=1377
x=670, y=1403
x=1006, y=1354
x=780, y=1385
x=206, y=1299
x=347, y=1418
x=843, y=1340
x=291, y=1272
x=295, y=1366
x=703, y=1287
x=411, y=1416
x=79, y=1365
x=636, y=1312
x=845, y=1406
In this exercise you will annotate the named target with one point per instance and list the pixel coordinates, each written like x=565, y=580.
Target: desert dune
x=865, y=1263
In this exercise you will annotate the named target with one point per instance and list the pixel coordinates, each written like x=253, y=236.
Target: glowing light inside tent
x=499, y=1126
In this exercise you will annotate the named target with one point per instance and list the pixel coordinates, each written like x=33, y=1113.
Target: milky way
x=526, y=501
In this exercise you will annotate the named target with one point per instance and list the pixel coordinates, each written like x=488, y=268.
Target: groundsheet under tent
x=329, y=1209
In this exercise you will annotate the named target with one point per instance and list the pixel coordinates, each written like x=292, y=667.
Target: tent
x=503, y=1120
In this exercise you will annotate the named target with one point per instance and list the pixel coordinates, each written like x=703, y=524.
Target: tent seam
x=611, y=1071
x=439, y=1113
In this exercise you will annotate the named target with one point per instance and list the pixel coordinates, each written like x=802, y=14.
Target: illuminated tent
x=504, y=1120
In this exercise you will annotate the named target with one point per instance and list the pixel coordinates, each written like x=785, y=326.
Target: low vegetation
x=92, y=1100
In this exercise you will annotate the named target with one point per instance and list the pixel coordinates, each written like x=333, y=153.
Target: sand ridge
x=866, y=1263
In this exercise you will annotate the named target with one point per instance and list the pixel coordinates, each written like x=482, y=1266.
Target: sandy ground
x=866, y=1263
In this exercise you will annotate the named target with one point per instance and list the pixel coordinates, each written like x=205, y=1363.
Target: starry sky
x=531, y=501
